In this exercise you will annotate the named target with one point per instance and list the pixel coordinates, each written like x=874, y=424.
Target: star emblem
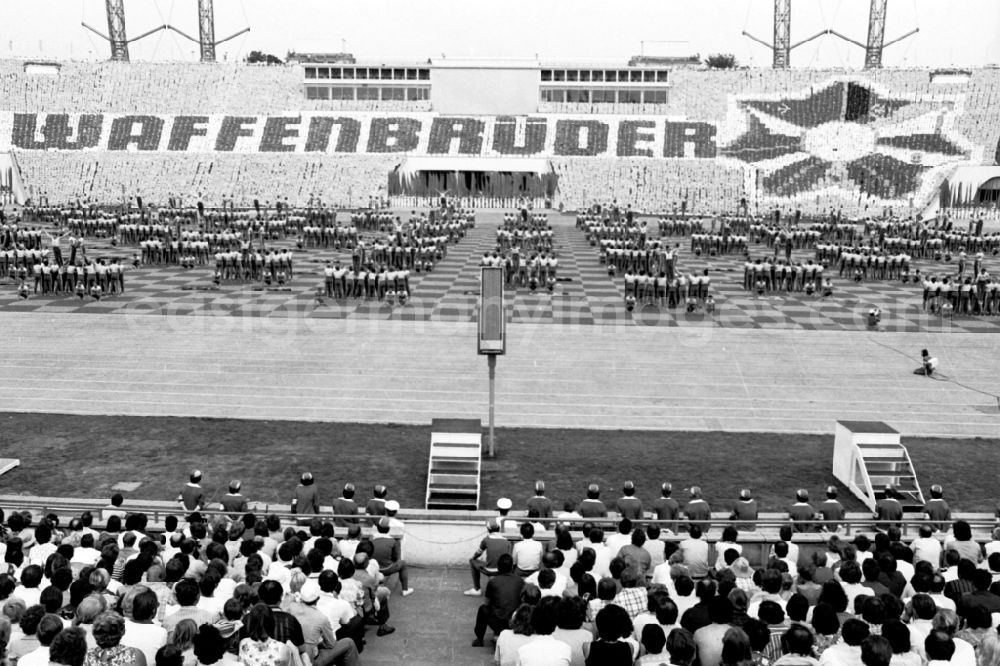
x=846, y=135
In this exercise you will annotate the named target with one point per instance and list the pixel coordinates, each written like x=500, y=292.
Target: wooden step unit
x=453, y=473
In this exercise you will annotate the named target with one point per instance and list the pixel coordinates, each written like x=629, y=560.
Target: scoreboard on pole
x=492, y=317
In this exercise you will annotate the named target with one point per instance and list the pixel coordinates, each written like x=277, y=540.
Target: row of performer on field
x=106, y=275
x=980, y=296
x=529, y=233
x=781, y=275
x=370, y=283
x=660, y=289
x=653, y=258
x=522, y=268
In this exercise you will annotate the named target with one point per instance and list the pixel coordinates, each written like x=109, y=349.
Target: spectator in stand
x=940, y=650
x=527, y=552
x=109, y=628
x=877, y=651
x=681, y=647
x=826, y=627
x=621, y=538
x=694, y=553
x=28, y=641
x=48, y=627
x=632, y=597
x=847, y=651
x=635, y=554
x=963, y=543
x=948, y=622
x=69, y=647
x=484, y=560
x=926, y=548
x=187, y=594
x=654, y=643
x=509, y=640
x=387, y=554
x=141, y=632
x=989, y=650
x=321, y=645
x=544, y=649
x=797, y=646
x=259, y=646
x=570, y=616
x=981, y=597
x=502, y=596
x=613, y=646
x=710, y=638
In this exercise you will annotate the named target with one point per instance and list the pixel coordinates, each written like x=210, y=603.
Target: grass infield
x=84, y=456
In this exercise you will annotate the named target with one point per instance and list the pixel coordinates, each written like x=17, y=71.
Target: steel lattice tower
x=876, y=35
x=116, y=29
x=782, y=34
x=206, y=30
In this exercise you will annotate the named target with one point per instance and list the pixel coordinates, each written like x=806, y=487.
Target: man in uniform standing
x=306, y=497
x=540, y=503
x=192, y=497
x=745, y=511
x=376, y=505
x=592, y=506
x=666, y=507
x=697, y=510
x=937, y=510
x=233, y=502
x=832, y=509
x=346, y=506
x=888, y=509
x=629, y=506
x=801, y=513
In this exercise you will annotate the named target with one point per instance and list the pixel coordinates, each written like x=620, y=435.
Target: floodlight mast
x=119, y=42
x=206, y=30
x=782, y=47
x=116, y=29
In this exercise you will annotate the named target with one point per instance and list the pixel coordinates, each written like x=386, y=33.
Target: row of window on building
x=369, y=73
x=605, y=96
x=606, y=75
x=370, y=93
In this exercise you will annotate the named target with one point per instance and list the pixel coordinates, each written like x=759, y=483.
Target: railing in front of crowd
x=982, y=524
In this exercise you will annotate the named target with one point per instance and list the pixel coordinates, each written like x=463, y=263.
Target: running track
x=671, y=378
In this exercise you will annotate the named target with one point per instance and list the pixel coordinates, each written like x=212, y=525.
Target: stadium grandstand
x=741, y=402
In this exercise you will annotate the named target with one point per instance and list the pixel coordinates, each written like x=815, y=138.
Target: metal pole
x=491, y=439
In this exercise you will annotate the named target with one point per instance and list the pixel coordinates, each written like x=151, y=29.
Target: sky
x=955, y=33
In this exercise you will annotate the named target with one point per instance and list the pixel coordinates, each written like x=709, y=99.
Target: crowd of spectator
x=229, y=588
x=628, y=597
x=240, y=178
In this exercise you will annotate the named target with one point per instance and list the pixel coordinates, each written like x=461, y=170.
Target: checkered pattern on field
x=584, y=292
